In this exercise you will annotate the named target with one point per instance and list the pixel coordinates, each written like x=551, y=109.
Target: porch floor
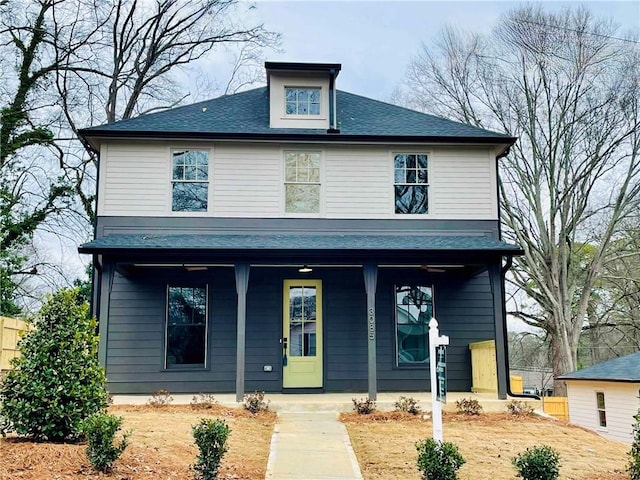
x=340, y=402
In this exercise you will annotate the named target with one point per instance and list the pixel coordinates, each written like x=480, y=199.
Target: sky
x=375, y=40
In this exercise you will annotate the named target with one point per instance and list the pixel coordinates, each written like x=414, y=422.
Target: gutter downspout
x=333, y=124
x=503, y=300
x=503, y=273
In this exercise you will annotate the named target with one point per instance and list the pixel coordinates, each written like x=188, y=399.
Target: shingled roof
x=205, y=242
x=245, y=115
x=621, y=369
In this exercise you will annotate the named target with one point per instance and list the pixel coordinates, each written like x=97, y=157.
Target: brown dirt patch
x=161, y=447
x=385, y=446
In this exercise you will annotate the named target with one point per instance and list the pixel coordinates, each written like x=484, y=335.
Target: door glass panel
x=302, y=318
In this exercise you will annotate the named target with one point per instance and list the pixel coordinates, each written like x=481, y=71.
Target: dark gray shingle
x=248, y=113
x=621, y=369
x=122, y=242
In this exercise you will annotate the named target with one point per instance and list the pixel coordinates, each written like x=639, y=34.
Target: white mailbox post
x=435, y=340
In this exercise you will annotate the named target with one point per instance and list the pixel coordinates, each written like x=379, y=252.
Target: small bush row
x=210, y=436
x=442, y=460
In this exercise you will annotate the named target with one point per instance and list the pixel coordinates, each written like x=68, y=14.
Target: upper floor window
x=414, y=309
x=190, y=180
x=302, y=101
x=186, y=327
x=302, y=182
x=411, y=183
x=602, y=412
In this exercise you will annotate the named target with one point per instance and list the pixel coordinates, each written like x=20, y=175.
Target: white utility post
x=435, y=340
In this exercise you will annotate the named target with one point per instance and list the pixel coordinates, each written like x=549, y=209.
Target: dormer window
x=302, y=101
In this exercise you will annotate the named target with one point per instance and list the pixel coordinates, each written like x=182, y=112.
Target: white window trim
x=283, y=191
x=392, y=193
x=321, y=114
x=210, y=176
x=599, y=427
x=205, y=366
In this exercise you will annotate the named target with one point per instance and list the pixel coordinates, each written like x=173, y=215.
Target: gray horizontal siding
x=131, y=225
x=463, y=307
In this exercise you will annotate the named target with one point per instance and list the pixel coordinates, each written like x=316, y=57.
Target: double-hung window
x=302, y=101
x=186, y=344
x=302, y=182
x=411, y=183
x=602, y=412
x=190, y=180
x=414, y=310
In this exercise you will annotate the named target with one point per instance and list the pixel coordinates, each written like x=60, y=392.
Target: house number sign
x=372, y=324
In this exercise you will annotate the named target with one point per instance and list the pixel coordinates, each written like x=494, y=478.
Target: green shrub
x=363, y=406
x=438, y=460
x=57, y=381
x=634, y=453
x=519, y=409
x=537, y=463
x=211, y=438
x=100, y=430
x=160, y=398
x=254, y=402
x=468, y=406
x=409, y=405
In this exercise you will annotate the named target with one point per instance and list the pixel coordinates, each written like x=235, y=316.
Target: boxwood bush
x=538, y=463
x=102, y=450
x=211, y=438
x=57, y=380
x=438, y=460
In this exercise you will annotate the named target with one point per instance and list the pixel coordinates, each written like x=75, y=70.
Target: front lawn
x=385, y=446
x=161, y=447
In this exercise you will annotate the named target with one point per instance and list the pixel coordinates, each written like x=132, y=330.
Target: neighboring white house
x=605, y=397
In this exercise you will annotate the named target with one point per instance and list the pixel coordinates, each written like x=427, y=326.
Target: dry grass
x=161, y=447
x=385, y=446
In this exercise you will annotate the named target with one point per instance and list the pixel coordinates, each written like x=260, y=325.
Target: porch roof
x=201, y=243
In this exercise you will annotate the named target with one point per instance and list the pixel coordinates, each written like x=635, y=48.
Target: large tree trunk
x=564, y=358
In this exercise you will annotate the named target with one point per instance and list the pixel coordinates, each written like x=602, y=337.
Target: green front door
x=302, y=334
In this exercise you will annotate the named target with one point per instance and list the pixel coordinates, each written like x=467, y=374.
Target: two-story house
x=295, y=238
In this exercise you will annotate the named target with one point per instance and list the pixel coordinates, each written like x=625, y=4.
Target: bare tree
x=33, y=187
x=133, y=69
x=570, y=91
x=83, y=62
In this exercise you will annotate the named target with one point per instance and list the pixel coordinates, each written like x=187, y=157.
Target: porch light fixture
x=305, y=269
x=195, y=268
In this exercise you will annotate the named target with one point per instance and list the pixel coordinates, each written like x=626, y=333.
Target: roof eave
x=108, y=250
x=304, y=67
x=91, y=135
x=600, y=379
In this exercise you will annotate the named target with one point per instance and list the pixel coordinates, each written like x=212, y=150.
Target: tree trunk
x=564, y=361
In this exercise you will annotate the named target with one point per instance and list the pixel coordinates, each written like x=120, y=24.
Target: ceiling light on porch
x=429, y=268
x=305, y=269
x=195, y=268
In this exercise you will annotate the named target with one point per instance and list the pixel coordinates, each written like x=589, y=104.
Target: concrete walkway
x=311, y=446
x=308, y=442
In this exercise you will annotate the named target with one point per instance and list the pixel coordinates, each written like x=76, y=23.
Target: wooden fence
x=557, y=407
x=10, y=329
